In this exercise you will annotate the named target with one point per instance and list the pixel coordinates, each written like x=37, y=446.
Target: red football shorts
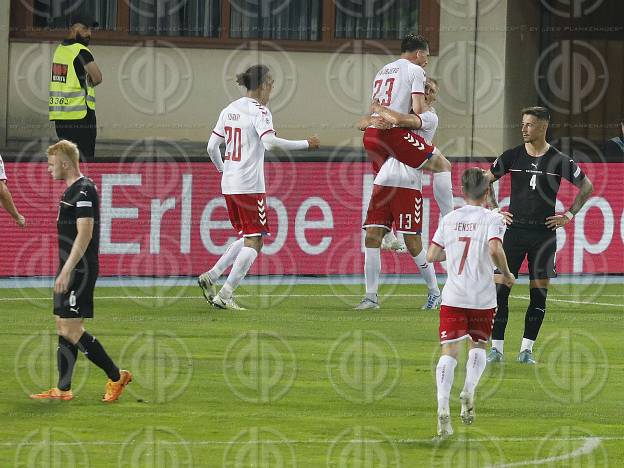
x=457, y=323
x=401, y=143
x=401, y=206
x=248, y=213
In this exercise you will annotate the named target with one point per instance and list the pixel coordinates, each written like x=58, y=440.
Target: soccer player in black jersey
x=78, y=226
x=536, y=170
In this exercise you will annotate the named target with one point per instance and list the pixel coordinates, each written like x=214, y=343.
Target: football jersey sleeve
x=85, y=202
x=501, y=166
x=2, y=172
x=219, y=129
x=438, y=237
x=418, y=83
x=263, y=122
x=496, y=227
x=571, y=171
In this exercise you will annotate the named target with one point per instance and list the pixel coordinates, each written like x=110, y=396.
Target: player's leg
x=377, y=223
x=207, y=281
x=541, y=259
x=514, y=245
x=249, y=210
x=413, y=242
x=442, y=183
x=376, y=149
x=479, y=329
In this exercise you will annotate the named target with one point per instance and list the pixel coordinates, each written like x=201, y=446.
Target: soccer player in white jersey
x=6, y=200
x=470, y=239
x=397, y=199
x=246, y=127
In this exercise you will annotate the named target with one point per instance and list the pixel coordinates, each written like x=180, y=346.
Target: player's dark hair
x=253, y=77
x=413, y=42
x=540, y=112
x=474, y=183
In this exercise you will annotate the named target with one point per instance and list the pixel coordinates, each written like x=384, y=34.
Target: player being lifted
x=470, y=239
x=397, y=194
x=536, y=171
x=246, y=127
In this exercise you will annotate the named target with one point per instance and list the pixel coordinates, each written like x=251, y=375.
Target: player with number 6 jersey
x=471, y=240
x=246, y=128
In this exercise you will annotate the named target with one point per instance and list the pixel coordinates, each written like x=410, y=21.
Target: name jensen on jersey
x=465, y=226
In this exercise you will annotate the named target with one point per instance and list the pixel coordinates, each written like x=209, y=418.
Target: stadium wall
x=158, y=90
x=170, y=219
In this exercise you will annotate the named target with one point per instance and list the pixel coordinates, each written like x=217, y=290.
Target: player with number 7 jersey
x=246, y=128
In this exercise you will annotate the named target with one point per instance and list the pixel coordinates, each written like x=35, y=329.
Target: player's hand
x=380, y=123
x=557, y=221
x=61, y=284
x=508, y=279
x=507, y=216
x=20, y=221
x=314, y=142
x=383, y=112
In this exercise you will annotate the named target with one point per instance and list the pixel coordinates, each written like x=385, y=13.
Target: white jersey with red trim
x=2, y=172
x=396, y=174
x=464, y=234
x=395, y=83
x=242, y=124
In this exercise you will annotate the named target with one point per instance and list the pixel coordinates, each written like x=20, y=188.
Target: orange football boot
x=114, y=389
x=53, y=394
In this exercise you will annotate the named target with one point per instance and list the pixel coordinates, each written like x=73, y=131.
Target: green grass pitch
x=300, y=379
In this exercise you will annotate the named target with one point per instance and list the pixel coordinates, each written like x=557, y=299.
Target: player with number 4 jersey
x=246, y=128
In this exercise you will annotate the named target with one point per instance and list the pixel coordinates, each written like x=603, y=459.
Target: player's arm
x=94, y=74
x=435, y=253
x=214, y=150
x=498, y=169
x=84, y=226
x=370, y=121
x=586, y=188
x=497, y=254
x=271, y=142
x=397, y=118
x=6, y=200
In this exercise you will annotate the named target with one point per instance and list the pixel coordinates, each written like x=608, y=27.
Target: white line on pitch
x=590, y=444
x=575, y=302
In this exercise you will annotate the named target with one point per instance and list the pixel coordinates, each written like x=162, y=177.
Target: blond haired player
x=470, y=239
x=6, y=200
x=246, y=128
x=78, y=225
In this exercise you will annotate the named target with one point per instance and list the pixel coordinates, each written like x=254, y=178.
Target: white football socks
x=226, y=260
x=527, y=344
x=445, y=372
x=474, y=369
x=443, y=192
x=241, y=266
x=498, y=344
x=372, y=270
x=427, y=271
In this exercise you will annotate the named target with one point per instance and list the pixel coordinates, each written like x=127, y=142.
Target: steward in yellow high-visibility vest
x=72, y=87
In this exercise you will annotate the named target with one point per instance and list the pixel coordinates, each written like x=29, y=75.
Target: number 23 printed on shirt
x=388, y=85
x=233, y=145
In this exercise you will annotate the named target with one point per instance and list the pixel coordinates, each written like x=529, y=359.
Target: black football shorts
x=77, y=302
x=538, y=246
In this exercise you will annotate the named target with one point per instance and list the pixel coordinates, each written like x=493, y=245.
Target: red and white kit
x=397, y=189
x=469, y=295
x=243, y=124
x=2, y=173
x=393, y=87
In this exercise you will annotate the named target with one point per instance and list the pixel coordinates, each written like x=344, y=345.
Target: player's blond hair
x=67, y=149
